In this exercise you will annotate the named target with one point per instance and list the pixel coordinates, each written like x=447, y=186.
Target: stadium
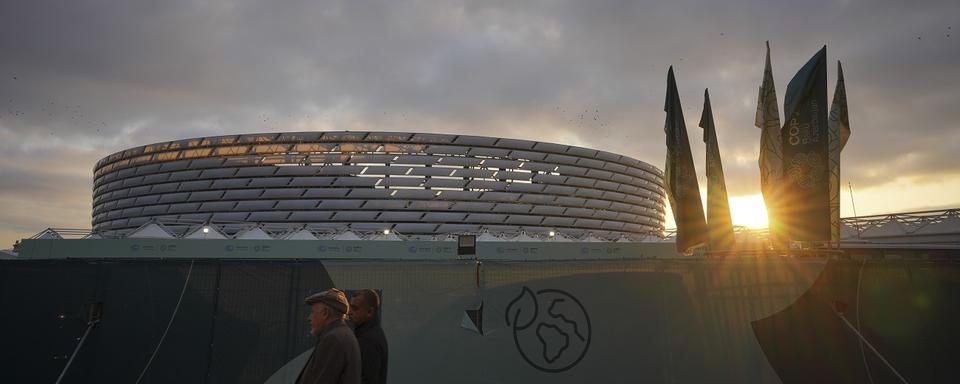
x=411, y=184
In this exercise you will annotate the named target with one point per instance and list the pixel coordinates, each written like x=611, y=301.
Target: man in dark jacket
x=364, y=313
x=336, y=356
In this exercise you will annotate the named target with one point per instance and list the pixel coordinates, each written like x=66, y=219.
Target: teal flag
x=719, y=224
x=805, y=201
x=681, y=177
x=839, y=126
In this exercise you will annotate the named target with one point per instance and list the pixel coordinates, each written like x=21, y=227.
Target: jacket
x=373, y=352
x=335, y=358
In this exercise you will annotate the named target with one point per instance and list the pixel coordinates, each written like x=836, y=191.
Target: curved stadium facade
x=410, y=183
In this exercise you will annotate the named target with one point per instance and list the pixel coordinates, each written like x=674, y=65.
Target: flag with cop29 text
x=805, y=201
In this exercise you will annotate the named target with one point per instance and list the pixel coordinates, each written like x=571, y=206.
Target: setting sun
x=749, y=211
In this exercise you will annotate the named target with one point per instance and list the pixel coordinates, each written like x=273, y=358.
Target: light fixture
x=466, y=245
x=206, y=230
x=552, y=233
x=386, y=231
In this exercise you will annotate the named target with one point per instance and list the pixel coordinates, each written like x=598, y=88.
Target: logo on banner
x=806, y=170
x=551, y=328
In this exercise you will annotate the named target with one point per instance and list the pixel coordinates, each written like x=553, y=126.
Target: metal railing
x=942, y=222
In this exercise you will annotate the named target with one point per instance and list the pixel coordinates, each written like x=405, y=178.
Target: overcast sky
x=82, y=79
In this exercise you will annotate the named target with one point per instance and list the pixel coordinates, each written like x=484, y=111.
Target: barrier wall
x=720, y=321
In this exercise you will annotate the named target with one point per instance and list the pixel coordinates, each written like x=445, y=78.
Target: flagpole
x=850, y=187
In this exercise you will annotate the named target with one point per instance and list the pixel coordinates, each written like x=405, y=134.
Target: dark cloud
x=98, y=76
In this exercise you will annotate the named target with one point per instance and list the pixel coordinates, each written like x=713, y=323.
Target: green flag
x=839, y=126
x=719, y=224
x=805, y=202
x=771, y=152
x=680, y=175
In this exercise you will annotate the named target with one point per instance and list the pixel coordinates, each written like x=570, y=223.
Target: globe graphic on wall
x=551, y=328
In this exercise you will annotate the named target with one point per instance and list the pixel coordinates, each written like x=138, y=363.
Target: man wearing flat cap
x=336, y=356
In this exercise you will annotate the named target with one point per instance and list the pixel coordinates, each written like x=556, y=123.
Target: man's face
x=360, y=312
x=318, y=317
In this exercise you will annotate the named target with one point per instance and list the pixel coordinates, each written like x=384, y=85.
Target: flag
x=719, y=224
x=771, y=154
x=804, y=204
x=680, y=175
x=839, y=126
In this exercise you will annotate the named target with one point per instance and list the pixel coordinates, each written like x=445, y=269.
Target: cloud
x=44, y=191
x=97, y=76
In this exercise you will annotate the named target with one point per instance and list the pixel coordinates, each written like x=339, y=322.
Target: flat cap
x=334, y=298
